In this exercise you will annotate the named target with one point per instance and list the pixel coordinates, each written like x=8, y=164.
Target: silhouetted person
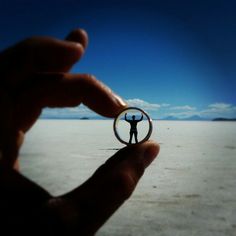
x=133, y=127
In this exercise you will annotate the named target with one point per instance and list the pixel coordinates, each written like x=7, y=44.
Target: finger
x=110, y=186
x=66, y=90
x=78, y=35
x=37, y=54
x=51, y=54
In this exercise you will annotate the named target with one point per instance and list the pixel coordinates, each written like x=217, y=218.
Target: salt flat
x=189, y=190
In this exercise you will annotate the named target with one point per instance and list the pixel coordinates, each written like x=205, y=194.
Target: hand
x=33, y=76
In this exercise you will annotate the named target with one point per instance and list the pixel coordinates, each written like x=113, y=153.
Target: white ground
x=189, y=190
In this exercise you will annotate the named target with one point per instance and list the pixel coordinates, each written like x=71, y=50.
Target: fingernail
x=77, y=50
x=78, y=45
x=120, y=101
x=150, y=153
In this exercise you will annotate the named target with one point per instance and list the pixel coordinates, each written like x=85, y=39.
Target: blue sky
x=169, y=57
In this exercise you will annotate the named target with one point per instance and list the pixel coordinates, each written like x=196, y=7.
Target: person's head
x=133, y=117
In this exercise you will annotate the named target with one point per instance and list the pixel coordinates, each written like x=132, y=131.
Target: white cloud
x=220, y=110
x=211, y=111
x=165, y=105
x=79, y=109
x=156, y=110
x=83, y=111
x=220, y=106
x=71, y=112
x=186, y=107
x=182, y=115
x=136, y=102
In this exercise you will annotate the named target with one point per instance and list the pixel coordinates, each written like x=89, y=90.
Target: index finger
x=70, y=90
x=42, y=54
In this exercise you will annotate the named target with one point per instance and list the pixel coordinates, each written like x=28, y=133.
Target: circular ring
x=133, y=124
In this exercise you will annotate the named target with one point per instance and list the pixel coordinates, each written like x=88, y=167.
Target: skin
x=34, y=75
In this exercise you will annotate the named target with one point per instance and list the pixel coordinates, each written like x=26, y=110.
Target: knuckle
x=89, y=81
x=86, y=78
x=124, y=184
x=30, y=41
x=140, y=169
x=89, y=78
x=27, y=41
x=28, y=46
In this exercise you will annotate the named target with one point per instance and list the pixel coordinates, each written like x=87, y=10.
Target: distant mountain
x=223, y=119
x=195, y=118
x=170, y=118
x=84, y=118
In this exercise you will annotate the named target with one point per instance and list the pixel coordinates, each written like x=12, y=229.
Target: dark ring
x=143, y=112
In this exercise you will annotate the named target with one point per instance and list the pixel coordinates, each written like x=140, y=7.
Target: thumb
x=99, y=197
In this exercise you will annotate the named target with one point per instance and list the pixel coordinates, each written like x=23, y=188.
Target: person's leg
x=136, y=137
x=131, y=136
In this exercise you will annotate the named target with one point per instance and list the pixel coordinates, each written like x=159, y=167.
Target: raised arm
x=141, y=118
x=126, y=117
